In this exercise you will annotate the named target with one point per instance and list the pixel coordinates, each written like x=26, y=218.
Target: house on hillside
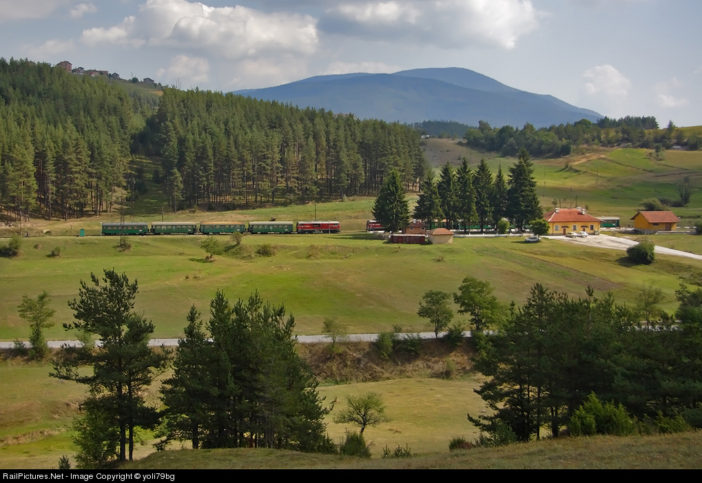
x=563, y=221
x=653, y=221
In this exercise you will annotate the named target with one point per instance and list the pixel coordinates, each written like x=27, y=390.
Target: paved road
x=620, y=243
x=303, y=339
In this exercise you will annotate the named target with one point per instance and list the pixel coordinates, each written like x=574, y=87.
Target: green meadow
x=364, y=283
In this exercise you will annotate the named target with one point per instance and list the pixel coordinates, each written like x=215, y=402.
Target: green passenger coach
x=271, y=227
x=171, y=228
x=125, y=228
x=217, y=228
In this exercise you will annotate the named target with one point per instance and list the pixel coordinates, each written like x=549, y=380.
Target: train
x=219, y=227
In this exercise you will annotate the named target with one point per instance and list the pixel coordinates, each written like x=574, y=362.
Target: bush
x=13, y=247
x=355, y=445
x=409, y=344
x=593, y=417
x=449, y=369
x=384, y=343
x=500, y=434
x=693, y=416
x=398, y=452
x=503, y=226
x=460, y=443
x=265, y=250
x=669, y=425
x=454, y=335
x=642, y=253
x=698, y=228
x=56, y=252
x=64, y=463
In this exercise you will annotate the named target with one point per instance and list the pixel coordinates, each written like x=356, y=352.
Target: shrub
x=56, y=252
x=265, y=250
x=124, y=244
x=454, y=335
x=698, y=228
x=593, y=417
x=64, y=463
x=398, y=452
x=355, y=445
x=503, y=226
x=671, y=424
x=500, y=434
x=409, y=344
x=460, y=443
x=13, y=247
x=384, y=344
x=642, y=253
x=449, y=369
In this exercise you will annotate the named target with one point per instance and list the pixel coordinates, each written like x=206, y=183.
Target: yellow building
x=653, y=221
x=563, y=221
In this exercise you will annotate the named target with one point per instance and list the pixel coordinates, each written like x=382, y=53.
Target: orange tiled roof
x=569, y=215
x=658, y=216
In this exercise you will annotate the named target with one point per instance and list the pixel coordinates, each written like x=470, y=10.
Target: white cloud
x=365, y=67
x=119, y=34
x=81, y=9
x=188, y=70
x=446, y=23
x=29, y=9
x=51, y=48
x=232, y=32
x=606, y=80
x=666, y=99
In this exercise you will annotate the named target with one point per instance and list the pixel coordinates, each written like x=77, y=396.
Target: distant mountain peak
x=429, y=94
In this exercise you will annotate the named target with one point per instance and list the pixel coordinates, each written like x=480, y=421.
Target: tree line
x=543, y=360
x=67, y=143
x=560, y=140
x=465, y=199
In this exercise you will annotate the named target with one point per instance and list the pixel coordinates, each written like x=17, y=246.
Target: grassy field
x=366, y=284
x=36, y=413
x=675, y=451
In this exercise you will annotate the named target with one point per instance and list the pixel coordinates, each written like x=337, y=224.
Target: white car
x=581, y=234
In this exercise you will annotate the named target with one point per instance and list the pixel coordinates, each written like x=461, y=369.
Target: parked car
x=532, y=239
x=581, y=234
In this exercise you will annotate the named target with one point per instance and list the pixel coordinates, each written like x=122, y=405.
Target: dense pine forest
x=67, y=143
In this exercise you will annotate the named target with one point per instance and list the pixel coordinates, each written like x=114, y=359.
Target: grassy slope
x=366, y=284
x=677, y=451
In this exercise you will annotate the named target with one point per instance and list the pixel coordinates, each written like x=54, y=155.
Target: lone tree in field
x=122, y=367
x=390, y=207
x=539, y=227
x=435, y=307
x=364, y=410
x=37, y=313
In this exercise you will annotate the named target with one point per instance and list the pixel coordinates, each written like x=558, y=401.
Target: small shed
x=653, y=221
x=441, y=236
x=408, y=238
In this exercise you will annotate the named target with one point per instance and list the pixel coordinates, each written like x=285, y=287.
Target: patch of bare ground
x=348, y=362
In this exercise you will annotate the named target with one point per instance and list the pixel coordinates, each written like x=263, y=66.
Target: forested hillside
x=67, y=141
x=227, y=151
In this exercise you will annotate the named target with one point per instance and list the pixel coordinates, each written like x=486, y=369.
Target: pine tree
x=466, y=195
x=448, y=195
x=122, y=365
x=482, y=184
x=390, y=207
x=523, y=202
x=428, y=206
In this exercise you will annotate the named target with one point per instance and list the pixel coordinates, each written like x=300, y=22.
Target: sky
x=616, y=57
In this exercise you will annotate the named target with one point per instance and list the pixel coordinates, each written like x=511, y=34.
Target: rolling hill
x=411, y=96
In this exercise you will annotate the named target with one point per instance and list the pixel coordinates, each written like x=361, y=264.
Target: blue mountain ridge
x=435, y=94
